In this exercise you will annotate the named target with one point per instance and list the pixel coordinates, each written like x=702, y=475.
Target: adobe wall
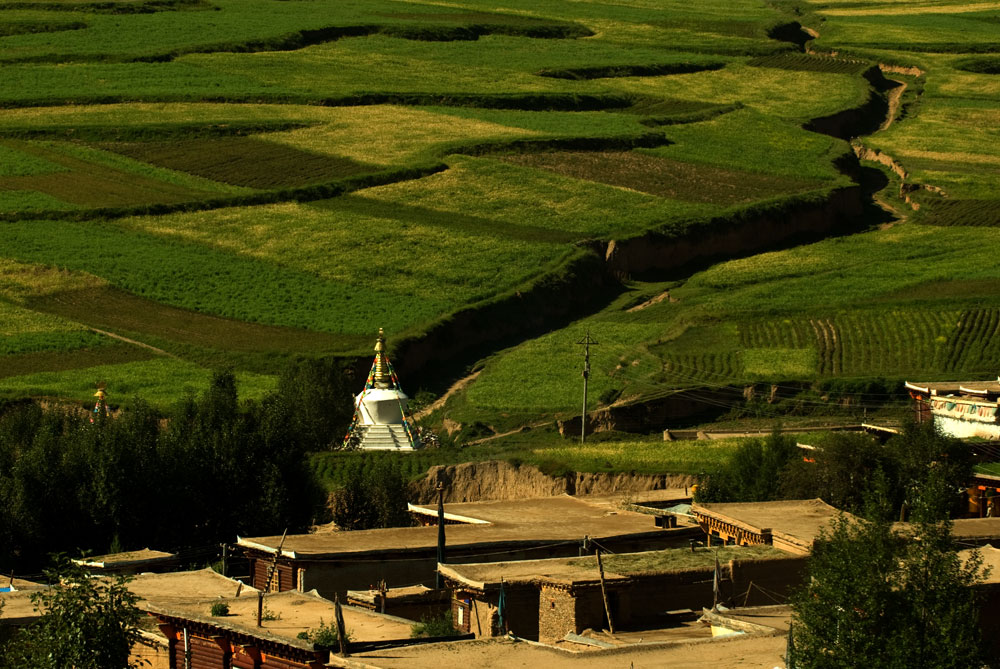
x=337, y=577
x=479, y=612
x=645, y=598
x=556, y=614
x=744, y=583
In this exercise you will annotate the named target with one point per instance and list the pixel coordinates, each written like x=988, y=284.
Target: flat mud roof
x=562, y=518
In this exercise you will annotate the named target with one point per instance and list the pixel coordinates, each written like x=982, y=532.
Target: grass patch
x=513, y=196
x=25, y=331
x=651, y=562
x=778, y=363
x=108, y=308
x=159, y=381
x=210, y=280
x=810, y=63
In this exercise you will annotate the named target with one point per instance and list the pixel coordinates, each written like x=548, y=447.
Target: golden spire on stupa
x=381, y=375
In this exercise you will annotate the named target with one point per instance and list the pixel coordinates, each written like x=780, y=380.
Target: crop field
x=877, y=304
x=663, y=177
x=190, y=183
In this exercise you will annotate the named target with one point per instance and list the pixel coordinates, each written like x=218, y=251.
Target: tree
x=840, y=471
x=86, y=623
x=878, y=599
x=752, y=473
x=919, y=469
x=373, y=495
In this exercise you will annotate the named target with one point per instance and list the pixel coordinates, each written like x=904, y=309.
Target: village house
x=958, y=408
x=416, y=602
x=789, y=525
x=198, y=640
x=546, y=600
x=130, y=562
x=333, y=562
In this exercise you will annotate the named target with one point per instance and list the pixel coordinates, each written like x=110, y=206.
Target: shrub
x=220, y=609
x=431, y=627
x=324, y=635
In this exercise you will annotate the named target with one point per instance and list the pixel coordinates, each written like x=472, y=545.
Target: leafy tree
x=877, y=599
x=839, y=471
x=919, y=469
x=752, y=473
x=930, y=468
x=86, y=623
x=215, y=468
x=318, y=402
x=374, y=494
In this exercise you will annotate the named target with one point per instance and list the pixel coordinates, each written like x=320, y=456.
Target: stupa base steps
x=384, y=438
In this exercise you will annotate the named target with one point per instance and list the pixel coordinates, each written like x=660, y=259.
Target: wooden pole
x=341, y=628
x=604, y=593
x=260, y=607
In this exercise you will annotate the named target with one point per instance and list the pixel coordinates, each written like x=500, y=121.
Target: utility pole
x=586, y=342
x=438, y=581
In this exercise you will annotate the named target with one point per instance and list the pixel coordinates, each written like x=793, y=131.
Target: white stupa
x=380, y=410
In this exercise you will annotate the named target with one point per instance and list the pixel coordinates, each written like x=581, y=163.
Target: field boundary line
x=133, y=342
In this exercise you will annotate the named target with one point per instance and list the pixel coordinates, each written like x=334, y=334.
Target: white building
x=959, y=409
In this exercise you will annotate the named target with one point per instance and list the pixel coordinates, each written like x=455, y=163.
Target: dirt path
x=440, y=402
x=665, y=295
x=895, y=98
x=158, y=351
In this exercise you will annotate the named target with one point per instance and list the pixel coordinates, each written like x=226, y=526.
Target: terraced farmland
x=186, y=184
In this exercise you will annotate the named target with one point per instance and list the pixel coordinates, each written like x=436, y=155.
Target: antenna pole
x=586, y=342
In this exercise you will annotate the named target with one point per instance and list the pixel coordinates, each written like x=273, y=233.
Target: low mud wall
x=501, y=481
x=726, y=238
x=581, y=287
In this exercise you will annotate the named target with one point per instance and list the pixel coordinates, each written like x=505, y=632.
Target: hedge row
x=612, y=71
x=305, y=38
x=147, y=7
x=156, y=132
x=519, y=101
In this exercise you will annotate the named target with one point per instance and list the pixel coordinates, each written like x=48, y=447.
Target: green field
x=190, y=184
x=879, y=304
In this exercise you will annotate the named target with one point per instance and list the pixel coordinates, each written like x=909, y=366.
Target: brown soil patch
x=895, y=96
x=91, y=185
x=242, y=161
x=58, y=361
x=650, y=302
x=663, y=177
x=109, y=308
